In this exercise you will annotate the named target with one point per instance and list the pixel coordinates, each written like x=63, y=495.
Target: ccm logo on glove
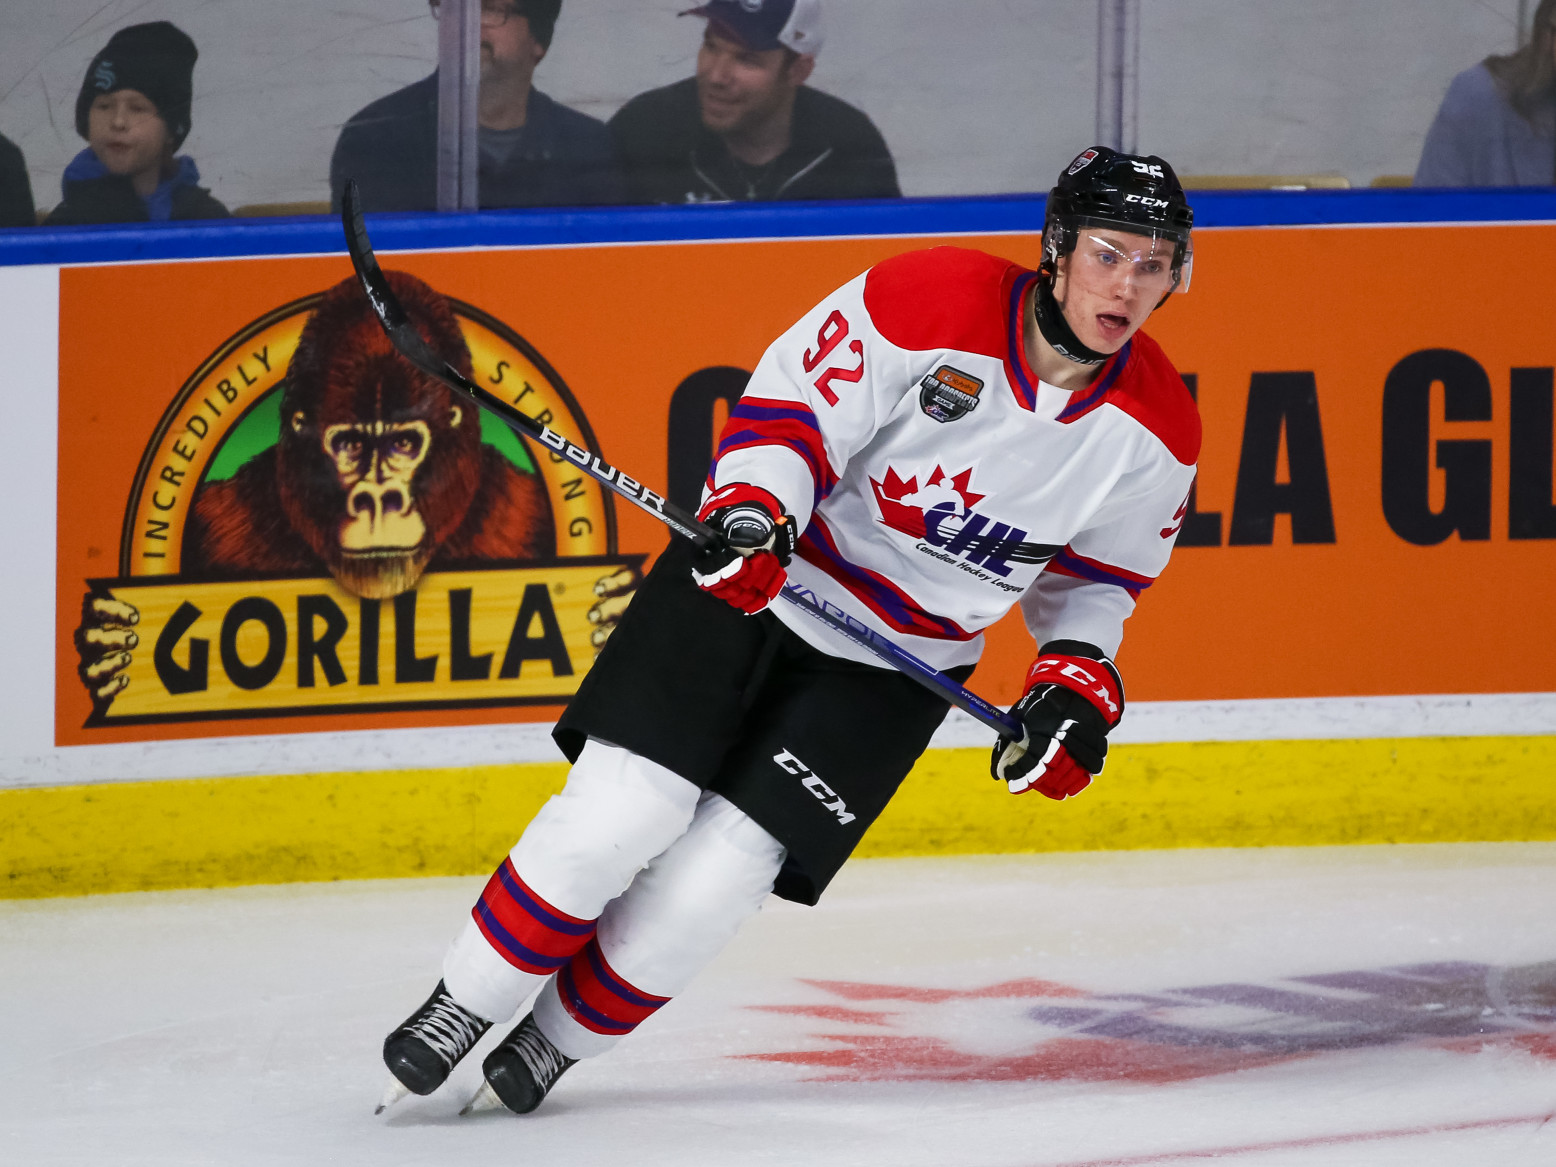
x=1073, y=697
x=747, y=571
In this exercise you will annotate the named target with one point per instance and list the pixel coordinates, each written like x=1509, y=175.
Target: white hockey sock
x=677, y=916
x=478, y=977
x=616, y=813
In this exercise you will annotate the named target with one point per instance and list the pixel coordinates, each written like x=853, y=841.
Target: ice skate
x=423, y=1051
x=520, y=1072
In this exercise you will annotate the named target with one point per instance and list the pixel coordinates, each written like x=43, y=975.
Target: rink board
x=1374, y=520
x=1356, y=528
x=136, y=836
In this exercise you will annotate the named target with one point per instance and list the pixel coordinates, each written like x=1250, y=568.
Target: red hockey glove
x=749, y=571
x=1074, y=696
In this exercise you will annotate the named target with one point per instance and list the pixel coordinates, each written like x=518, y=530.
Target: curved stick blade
x=386, y=305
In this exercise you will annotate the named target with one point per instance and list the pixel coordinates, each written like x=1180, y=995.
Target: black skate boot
x=521, y=1071
x=426, y=1048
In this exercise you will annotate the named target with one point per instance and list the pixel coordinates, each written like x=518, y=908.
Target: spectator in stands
x=16, y=209
x=133, y=110
x=533, y=150
x=747, y=126
x=1497, y=124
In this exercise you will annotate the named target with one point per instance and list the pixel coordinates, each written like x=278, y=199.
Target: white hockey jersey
x=937, y=481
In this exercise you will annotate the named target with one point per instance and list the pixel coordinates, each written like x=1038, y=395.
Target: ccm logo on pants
x=815, y=785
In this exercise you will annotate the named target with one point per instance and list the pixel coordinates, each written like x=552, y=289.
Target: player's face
x=126, y=133
x=739, y=88
x=1111, y=282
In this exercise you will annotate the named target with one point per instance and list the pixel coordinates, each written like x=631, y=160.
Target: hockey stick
x=409, y=343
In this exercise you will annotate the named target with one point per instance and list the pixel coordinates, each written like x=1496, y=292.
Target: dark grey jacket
x=391, y=149
x=835, y=153
x=16, y=209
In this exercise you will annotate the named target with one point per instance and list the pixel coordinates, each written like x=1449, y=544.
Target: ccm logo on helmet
x=815, y=785
x=1145, y=200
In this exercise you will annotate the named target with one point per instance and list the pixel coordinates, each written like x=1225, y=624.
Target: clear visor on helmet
x=1105, y=250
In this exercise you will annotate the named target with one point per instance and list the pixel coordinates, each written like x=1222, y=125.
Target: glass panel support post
x=1118, y=74
x=459, y=76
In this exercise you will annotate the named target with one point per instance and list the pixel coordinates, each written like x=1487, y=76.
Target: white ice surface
x=241, y=1027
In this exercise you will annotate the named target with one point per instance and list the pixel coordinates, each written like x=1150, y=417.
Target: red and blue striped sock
x=600, y=1000
x=530, y=934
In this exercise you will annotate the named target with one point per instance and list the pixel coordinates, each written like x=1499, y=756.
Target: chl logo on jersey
x=947, y=393
x=940, y=515
x=816, y=786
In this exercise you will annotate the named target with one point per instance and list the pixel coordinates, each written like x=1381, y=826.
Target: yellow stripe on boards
x=140, y=836
x=1236, y=794
x=73, y=840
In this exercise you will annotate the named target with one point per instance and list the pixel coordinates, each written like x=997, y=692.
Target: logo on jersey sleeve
x=941, y=514
x=947, y=393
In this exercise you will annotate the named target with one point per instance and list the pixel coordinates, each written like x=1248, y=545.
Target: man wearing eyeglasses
x=533, y=150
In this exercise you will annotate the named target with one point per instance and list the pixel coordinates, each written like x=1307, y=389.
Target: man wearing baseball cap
x=746, y=126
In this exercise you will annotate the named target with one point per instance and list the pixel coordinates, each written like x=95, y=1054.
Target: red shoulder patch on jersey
x=942, y=297
x=1150, y=390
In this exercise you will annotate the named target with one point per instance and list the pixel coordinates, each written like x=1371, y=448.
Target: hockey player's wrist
x=738, y=495
x=1083, y=669
x=750, y=519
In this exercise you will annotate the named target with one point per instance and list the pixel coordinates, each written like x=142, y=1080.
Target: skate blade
x=395, y=1091
x=485, y=1099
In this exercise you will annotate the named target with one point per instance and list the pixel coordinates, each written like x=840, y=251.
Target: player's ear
x=800, y=68
x=1061, y=277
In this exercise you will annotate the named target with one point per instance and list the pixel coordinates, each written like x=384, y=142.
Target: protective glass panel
x=251, y=99
x=598, y=102
x=1331, y=93
x=932, y=98
x=286, y=99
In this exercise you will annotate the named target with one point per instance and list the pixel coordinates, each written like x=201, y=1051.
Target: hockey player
x=942, y=437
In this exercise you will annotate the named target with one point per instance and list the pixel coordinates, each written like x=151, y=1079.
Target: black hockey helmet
x=1131, y=192
x=1127, y=192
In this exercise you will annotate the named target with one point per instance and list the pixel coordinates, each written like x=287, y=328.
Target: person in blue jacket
x=1497, y=123
x=134, y=112
x=533, y=151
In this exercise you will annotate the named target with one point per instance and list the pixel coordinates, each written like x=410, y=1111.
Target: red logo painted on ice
x=1032, y=1030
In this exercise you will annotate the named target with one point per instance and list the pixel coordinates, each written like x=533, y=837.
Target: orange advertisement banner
x=1374, y=513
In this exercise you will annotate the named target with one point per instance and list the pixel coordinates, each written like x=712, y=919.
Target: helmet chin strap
x=1056, y=329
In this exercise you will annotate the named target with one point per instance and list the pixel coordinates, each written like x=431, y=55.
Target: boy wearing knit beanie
x=134, y=112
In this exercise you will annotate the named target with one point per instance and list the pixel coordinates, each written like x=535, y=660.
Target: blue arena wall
x=318, y=235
